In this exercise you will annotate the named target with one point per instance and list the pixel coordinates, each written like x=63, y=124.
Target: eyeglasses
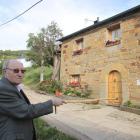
x=17, y=70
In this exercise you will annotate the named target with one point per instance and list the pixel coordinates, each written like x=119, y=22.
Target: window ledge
x=113, y=44
x=78, y=52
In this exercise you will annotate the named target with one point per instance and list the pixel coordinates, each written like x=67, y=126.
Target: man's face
x=14, y=77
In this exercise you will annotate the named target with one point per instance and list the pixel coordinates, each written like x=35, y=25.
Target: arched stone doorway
x=115, y=88
x=106, y=71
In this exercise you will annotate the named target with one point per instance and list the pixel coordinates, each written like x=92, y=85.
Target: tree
x=53, y=50
x=42, y=46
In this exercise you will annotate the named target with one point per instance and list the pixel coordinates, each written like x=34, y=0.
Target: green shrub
x=67, y=91
x=129, y=104
x=42, y=88
x=78, y=94
x=50, y=90
x=55, y=85
x=72, y=92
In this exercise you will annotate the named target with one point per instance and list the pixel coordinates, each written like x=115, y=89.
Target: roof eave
x=102, y=22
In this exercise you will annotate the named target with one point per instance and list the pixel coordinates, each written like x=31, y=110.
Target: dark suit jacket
x=17, y=114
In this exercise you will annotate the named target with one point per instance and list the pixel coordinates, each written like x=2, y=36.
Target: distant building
x=25, y=63
x=22, y=55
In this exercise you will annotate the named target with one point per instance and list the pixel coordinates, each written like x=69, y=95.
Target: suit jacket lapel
x=5, y=80
x=25, y=97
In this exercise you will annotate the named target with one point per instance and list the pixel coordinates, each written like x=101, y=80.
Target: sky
x=70, y=16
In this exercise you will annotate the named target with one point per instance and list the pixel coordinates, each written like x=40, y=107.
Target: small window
x=80, y=45
x=78, y=48
x=116, y=34
x=113, y=35
x=75, y=80
x=119, y=33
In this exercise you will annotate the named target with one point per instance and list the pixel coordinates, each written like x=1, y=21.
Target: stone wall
x=98, y=60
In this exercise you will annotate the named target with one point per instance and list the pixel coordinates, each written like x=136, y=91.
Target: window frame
x=80, y=45
x=78, y=48
x=116, y=33
x=110, y=40
x=75, y=82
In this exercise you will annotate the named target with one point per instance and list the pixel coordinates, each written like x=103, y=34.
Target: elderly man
x=16, y=112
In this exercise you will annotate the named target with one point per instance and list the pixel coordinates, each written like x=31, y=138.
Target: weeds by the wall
x=129, y=104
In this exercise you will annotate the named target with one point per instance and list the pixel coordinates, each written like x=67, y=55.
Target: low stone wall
x=129, y=109
x=41, y=92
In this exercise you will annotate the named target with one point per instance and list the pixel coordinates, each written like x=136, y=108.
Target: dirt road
x=90, y=122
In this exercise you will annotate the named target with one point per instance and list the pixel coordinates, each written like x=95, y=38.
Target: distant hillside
x=8, y=54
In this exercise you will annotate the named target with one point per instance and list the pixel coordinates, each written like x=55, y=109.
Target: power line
x=21, y=13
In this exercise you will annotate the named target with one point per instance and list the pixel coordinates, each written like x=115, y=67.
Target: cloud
x=69, y=14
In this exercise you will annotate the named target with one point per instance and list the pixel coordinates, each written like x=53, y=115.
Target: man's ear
x=4, y=71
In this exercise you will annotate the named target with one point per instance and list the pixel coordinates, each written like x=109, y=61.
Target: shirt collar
x=18, y=87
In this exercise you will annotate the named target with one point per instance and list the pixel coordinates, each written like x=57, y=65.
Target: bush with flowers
x=86, y=91
x=71, y=92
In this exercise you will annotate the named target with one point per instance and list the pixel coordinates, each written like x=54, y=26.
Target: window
x=113, y=35
x=78, y=48
x=75, y=80
x=80, y=45
x=116, y=34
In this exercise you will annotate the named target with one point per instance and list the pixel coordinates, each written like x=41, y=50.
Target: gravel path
x=90, y=122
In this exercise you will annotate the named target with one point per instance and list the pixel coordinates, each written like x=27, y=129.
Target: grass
x=45, y=132
x=96, y=108
x=129, y=104
x=32, y=76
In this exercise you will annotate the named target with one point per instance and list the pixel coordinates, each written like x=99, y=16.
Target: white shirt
x=19, y=88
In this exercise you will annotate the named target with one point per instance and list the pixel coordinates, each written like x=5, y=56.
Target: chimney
x=96, y=21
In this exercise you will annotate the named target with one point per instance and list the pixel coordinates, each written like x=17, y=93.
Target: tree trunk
x=42, y=71
x=56, y=67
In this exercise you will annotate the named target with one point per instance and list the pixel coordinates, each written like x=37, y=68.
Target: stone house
x=111, y=70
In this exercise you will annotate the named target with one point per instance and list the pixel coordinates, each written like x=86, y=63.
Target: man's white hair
x=5, y=64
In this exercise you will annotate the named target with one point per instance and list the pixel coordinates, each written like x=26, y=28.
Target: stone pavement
x=90, y=122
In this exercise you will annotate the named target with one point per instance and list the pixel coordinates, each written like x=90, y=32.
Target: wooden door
x=115, y=88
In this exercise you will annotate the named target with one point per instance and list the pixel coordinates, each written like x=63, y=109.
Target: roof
x=113, y=18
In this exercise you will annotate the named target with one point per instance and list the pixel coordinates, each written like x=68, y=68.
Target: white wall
x=25, y=63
